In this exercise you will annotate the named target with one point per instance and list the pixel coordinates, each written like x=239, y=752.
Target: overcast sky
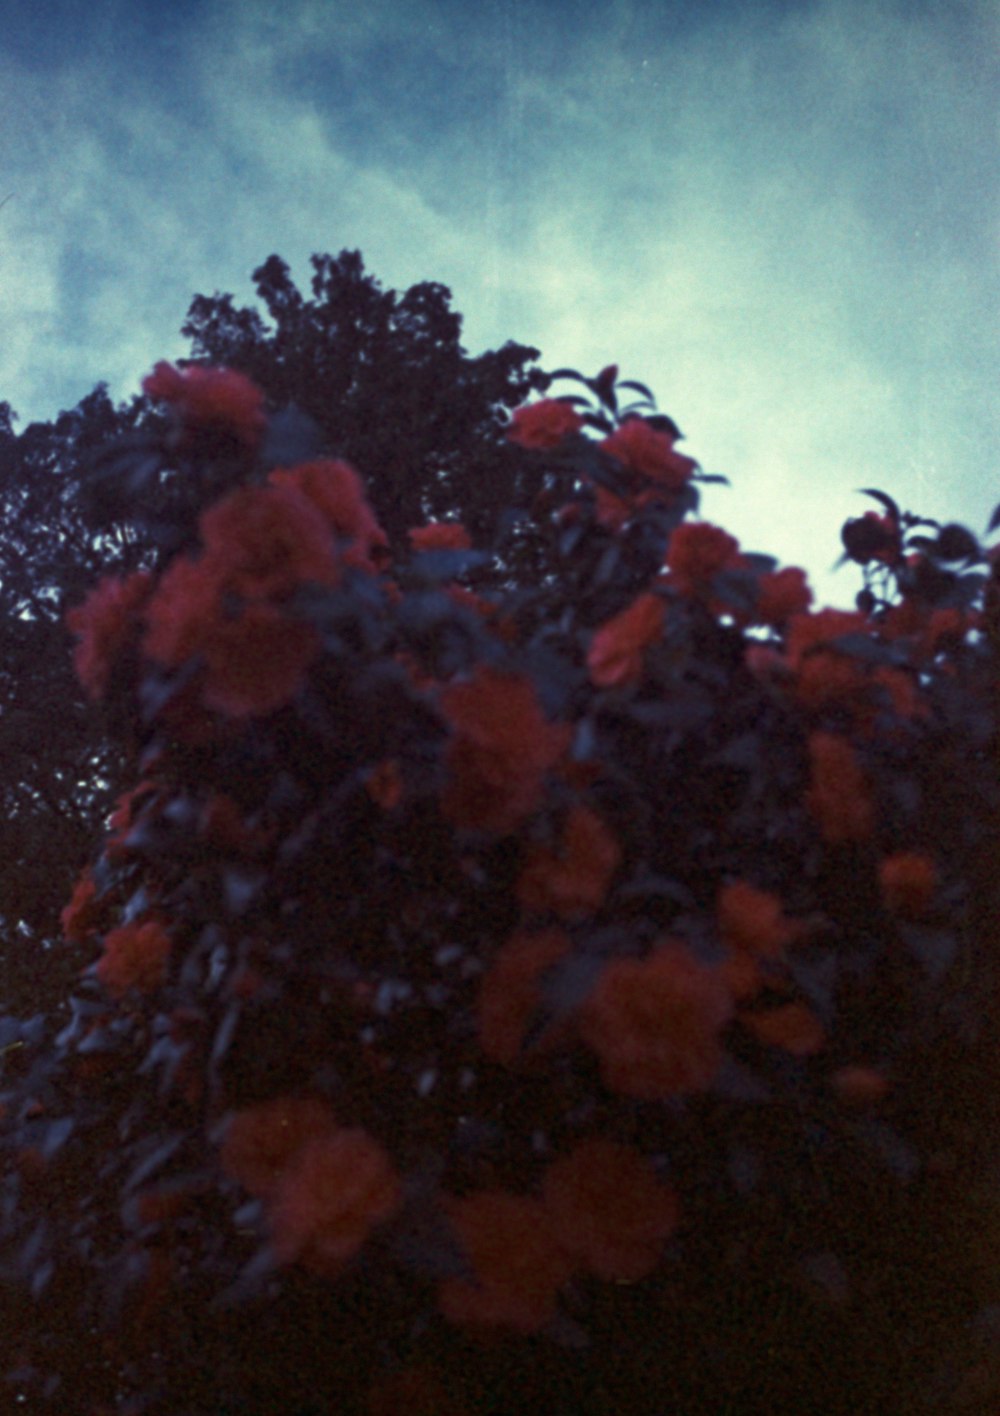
x=783, y=216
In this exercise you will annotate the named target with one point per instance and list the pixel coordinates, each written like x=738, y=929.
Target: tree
x=388, y=384
x=61, y=769
x=344, y=357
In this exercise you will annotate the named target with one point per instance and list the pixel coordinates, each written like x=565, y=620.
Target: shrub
x=577, y=1000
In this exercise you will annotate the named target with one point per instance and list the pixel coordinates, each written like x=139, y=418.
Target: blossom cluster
x=452, y=916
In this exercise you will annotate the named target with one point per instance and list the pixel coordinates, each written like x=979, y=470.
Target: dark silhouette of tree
x=389, y=386
x=388, y=382
x=59, y=769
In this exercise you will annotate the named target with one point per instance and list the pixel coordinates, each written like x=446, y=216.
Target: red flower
x=655, y=1023
x=698, y=551
x=255, y=657
x=213, y=400
x=257, y=663
x=809, y=632
x=908, y=881
x=267, y=541
x=651, y=453
x=82, y=915
x=608, y=1210
x=574, y=878
x=510, y=994
x=384, y=784
x=135, y=956
x=336, y=490
x=781, y=594
x=752, y=921
x=543, y=424
x=501, y=748
x=334, y=1191
x=615, y=655
x=859, y=1086
x=519, y=1267
x=260, y=1140
x=440, y=536
x=839, y=796
x=794, y=1027
x=104, y=624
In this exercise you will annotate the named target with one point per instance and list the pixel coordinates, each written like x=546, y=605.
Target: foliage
x=578, y=1000
x=70, y=512
x=354, y=351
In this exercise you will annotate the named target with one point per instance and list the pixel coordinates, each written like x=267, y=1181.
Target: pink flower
x=616, y=651
x=543, y=424
x=209, y=400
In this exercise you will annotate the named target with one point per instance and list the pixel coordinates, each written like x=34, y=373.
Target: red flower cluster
x=608, y=1210
x=651, y=453
x=440, y=536
x=83, y=913
x=782, y=594
x=753, y=921
x=501, y=749
x=135, y=956
x=212, y=400
x=839, y=795
x=334, y=488
x=655, y=1023
x=573, y=879
x=544, y=424
x=697, y=552
x=334, y=1191
x=519, y=1266
x=908, y=881
x=325, y=1187
x=510, y=995
x=615, y=655
x=260, y=1141
x=227, y=608
x=105, y=623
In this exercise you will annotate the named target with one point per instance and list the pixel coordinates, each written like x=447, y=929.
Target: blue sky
x=782, y=216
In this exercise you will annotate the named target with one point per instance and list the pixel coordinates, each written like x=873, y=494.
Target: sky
x=783, y=216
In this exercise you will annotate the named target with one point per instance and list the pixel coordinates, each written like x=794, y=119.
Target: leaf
x=933, y=947
x=886, y=501
x=647, y=393
x=994, y=520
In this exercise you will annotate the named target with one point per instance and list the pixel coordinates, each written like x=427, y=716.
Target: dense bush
x=578, y=1000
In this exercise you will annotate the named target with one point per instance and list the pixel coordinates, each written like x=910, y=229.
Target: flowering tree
x=562, y=1001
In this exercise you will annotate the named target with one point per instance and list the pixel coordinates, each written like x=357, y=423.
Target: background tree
x=388, y=383
x=345, y=357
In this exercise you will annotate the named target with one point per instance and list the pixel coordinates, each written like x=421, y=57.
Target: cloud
x=781, y=217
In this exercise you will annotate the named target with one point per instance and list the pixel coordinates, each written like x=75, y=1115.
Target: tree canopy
x=379, y=378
